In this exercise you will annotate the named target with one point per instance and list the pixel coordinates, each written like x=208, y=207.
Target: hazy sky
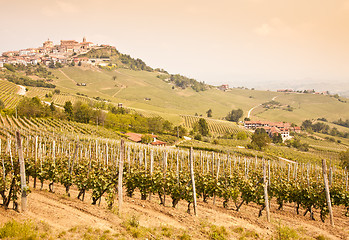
x=240, y=42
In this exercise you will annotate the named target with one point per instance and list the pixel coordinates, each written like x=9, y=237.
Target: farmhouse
x=223, y=87
x=137, y=137
x=272, y=131
x=273, y=128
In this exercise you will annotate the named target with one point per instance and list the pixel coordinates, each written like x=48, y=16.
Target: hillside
x=143, y=90
x=118, y=78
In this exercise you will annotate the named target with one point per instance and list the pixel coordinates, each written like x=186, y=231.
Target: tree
x=146, y=138
x=119, y=110
x=32, y=107
x=344, y=157
x=155, y=124
x=209, y=113
x=277, y=138
x=307, y=124
x=52, y=64
x=52, y=107
x=99, y=117
x=202, y=127
x=234, y=115
x=180, y=131
x=241, y=135
x=68, y=109
x=198, y=137
x=58, y=65
x=82, y=112
x=167, y=126
x=10, y=67
x=320, y=127
x=260, y=139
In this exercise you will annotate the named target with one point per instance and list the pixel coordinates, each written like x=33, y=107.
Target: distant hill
x=119, y=60
x=145, y=90
x=123, y=79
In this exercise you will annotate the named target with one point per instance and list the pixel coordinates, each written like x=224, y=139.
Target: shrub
x=286, y=233
x=14, y=229
x=198, y=137
x=241, y=136
x=218, y=233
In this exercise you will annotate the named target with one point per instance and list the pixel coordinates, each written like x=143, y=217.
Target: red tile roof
x=157, y=142
x=136, y=137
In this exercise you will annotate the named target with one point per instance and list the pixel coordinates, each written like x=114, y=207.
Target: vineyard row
x=95, y=165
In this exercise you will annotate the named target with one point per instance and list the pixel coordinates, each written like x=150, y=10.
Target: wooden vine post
x=36, y=159
x=151, y=167
x=217, y=176
x=3, y=168
x=121, y=171
x=164, y=174
x=346, y=180
x=327, y=191
x=193, y=179
x=266, y=200
x=22, y=172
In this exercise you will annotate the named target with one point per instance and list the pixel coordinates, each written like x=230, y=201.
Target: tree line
x=342, y=123
x=25, y=80
x=323, y=128
x=118, y=119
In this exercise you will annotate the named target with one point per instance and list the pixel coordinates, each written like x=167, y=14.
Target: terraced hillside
x=8, y=93
x=50, y=127
x=215, y=126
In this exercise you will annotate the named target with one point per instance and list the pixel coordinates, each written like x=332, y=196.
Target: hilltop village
x=66, y=52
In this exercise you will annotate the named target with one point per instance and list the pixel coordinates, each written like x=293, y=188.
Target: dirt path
x=62, y=213
x=67, y=76
x=21, y=91
x=250, y=111
x=286, y=160
x=57, y=106
x=122, y=87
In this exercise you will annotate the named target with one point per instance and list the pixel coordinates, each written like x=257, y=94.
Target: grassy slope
x=306, y=106
x=132, y=87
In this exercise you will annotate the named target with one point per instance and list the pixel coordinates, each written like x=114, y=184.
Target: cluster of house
x=273, y=128
x=305, y=91
x=137, y=137
x=64, y=53
x=223, y=87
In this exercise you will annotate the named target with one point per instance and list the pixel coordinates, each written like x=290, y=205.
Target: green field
x=133, y=87
x=147, y=94
x=305, y=106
